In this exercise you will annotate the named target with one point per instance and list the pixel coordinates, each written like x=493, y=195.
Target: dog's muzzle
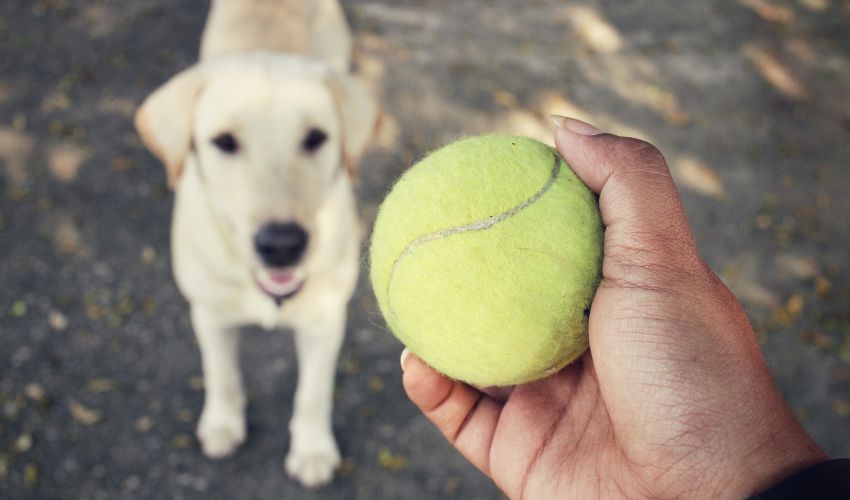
x=280, y=247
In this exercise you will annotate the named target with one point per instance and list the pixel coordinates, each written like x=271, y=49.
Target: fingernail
x=404, y=354
x=579, y=127
x=558, y=120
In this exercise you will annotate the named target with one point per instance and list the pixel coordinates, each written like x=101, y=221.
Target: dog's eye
x=314, y=140
x=226, y=142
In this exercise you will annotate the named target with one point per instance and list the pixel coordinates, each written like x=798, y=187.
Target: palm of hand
x=630, y=422
x=558, y=438
x=555, y=439
x=564, y=436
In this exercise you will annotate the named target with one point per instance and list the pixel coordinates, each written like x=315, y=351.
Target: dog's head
x=270, y=135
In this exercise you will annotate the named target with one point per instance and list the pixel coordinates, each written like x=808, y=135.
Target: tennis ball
x=485, y=258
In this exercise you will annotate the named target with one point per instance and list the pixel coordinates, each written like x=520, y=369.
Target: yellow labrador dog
x=259, y=140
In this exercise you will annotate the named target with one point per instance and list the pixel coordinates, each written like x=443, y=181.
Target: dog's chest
x=257, y=308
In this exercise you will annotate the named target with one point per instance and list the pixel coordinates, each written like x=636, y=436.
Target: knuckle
x=655, y=256
x=640, y=153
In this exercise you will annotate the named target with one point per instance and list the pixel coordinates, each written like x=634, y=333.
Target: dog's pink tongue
x=282, y=277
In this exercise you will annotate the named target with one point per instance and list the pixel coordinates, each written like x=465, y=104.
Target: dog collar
x=278, y=299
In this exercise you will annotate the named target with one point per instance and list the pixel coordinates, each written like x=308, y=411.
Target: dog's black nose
x=280, y=244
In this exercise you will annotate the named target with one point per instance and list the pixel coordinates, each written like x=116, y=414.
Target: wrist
x=781, y=455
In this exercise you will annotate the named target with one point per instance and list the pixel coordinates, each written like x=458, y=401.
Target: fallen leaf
x=504, y=98
x=95, y=312
x=823, y=287
x=699, y=177
x=769, y=201
x=31, y=476
x=770, y=12
x=117, y=105
x=148, y=254
x=149, y=306
x=66, y=235
x=818, y=339
x=64, y=160
x=376, y=384
x=121, y=164
x=351, y=367
x=58, y=101
x=797, y=266
x=794, y=305
x=16, y=148
x=787, y=314
x=815, y=5
x=181, y=441
x=451, y=486
x=18, y=309
x=184, y=415
x=19, y=122
x=23, y=444
x=390, y=461
x=196, y=383
x=666, y=103
x=143, y=424
x=594, y=30
x=35, y=392
x=764, y=221
x=775, y=73
x=98, y=385
x=345, y=468
x=83, y=415
x=57, y=321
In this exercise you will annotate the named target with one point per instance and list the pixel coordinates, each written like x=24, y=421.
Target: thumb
x=466, y=416
x=645, y=225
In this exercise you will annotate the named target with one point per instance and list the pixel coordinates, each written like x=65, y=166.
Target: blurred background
x=100, y=384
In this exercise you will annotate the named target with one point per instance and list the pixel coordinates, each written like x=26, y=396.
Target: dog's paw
x=313, y=464
x=221, y=432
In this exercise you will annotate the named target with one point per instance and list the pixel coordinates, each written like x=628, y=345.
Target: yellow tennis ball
x=485, y=258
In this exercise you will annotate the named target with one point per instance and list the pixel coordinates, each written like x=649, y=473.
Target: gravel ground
x=99, y=374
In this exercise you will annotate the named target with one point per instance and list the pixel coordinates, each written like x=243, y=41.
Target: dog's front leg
x=313, y=454
x=221, y=428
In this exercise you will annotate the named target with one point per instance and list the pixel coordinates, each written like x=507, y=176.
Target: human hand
x=673, y=399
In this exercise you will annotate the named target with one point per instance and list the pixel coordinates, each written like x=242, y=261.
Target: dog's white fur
x=270, y=71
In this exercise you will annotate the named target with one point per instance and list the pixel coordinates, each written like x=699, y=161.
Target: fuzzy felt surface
x=485, y=257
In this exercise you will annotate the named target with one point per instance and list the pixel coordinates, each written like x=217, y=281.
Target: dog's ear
x=359, y=114
x=164, y=121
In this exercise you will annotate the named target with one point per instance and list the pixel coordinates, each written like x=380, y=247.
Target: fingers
x=620, y=168
x=646, y=226
x=466, y=416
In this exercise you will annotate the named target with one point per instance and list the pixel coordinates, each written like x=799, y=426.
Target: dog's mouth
x=279, y=282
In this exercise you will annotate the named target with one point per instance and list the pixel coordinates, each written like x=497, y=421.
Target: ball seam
x=479, y=225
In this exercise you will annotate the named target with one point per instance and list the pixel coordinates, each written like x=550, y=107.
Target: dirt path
x=99, y=388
